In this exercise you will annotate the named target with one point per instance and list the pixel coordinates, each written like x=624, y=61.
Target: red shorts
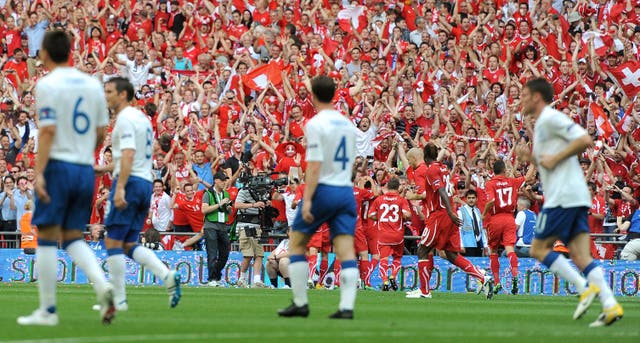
x=366, y=239
x=501, y=230
x=440, y=232
x=396, y=251
x=320, y=240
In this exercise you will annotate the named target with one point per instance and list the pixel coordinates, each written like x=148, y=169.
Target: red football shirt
x=189, y=212
x=437, y=177
x=389, y=210
x=598, y=206
x=363, y=197
x=504, y=191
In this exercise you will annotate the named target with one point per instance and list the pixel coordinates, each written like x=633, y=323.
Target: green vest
x=217, y=216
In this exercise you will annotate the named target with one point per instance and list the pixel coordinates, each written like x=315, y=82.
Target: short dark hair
x=122, y=85
x=158, y=181
x=471, y=192
x=431, y=152
x=542, y=87
x=323, y=88
x=393, y=184
x=499, y=167
x=57, y=44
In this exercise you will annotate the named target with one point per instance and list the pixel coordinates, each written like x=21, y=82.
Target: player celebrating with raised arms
x=557, y=141
x=328, y=198
x=73, y=120
x=132, y=139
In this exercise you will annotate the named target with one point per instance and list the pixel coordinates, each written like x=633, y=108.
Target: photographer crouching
x=249, y=232
x=216, y=207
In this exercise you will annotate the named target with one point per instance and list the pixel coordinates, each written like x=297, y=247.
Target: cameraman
x=249, y=231
x=216, y=207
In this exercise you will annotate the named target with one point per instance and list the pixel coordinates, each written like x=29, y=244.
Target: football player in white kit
x=73, y=120
x=132, y=140
x=328, y=197
x=556, y=143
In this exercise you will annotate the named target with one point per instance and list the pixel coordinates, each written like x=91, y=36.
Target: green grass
x=249, y=315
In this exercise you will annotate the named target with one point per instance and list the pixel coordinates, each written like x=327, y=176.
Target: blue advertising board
x=534, y=278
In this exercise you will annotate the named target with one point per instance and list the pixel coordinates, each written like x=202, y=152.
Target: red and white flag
x=601, y=41
x=627, y=76
x=605, y=129
x=624, y=125
x=258, y=78
x=353, y=16
x=384, y=134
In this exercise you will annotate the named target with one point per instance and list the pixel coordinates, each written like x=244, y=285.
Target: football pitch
x=249, y=315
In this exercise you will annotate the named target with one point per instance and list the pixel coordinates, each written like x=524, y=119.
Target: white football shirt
x=74, y=103
x=133, y=131
x=564, y=186
x=331, y=139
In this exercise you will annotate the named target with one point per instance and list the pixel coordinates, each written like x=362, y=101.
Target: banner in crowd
x=534, y=278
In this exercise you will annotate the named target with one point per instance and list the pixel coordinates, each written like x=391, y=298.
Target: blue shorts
x=125, y=225
x=564, y=223
x=70, y=187
x=335, y=206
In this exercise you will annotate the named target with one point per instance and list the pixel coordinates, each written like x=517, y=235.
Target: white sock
x=84, y=257
x=47, y=266
x=562, y=267
x=149, y=260
x=596, y=277
x=243, y=276
x=256, y=278
x=298, y=274
x=117, y=269
x=348, y=288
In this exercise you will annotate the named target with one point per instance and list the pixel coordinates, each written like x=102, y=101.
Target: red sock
x=384, y=269
x=513, y=260
x=336, y=271
x=495, y=267
x=424, y=275
x=430, y=263
x=313, y=265
x=468, y=268
x=364, y=269
x=324, y=265
x=395, y=267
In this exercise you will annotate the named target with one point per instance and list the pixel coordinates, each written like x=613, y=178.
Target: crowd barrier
x=534, y=278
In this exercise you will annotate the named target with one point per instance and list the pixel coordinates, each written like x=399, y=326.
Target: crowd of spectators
x=449, y=72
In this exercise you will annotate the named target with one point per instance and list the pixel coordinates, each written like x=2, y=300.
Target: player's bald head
x=416, y=153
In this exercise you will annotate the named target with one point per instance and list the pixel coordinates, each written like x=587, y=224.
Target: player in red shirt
x=389, y=211
x=441, y=229
x=502, y=198
x=596, y=216
x=365, y=239
x=187, y=213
